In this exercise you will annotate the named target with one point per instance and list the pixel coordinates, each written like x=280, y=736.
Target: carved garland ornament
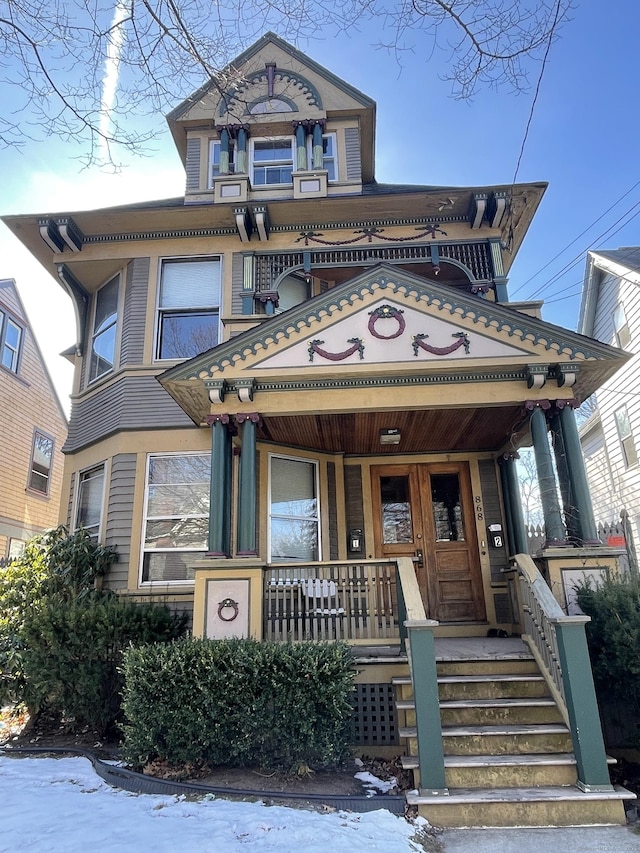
x=386, y=312
x=463, y=341
x=314, y=347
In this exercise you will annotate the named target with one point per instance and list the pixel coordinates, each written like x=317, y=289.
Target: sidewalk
x=577, y=839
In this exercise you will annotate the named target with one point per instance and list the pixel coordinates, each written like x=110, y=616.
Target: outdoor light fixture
x=390, y=436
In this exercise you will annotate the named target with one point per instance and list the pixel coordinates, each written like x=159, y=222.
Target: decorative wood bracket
x=245, y=388
x=216, y=388
x=566, y=374
x=537, y=375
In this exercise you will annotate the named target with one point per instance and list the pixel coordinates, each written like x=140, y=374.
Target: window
x=329, y=154
x=293, y=510
x=90, y=501
x=16, y=547
x=292, y=290
x=176, y=515
x=626, y=437
x=272, y=161
x=622, y=332
x=214, y=157
x=103, y=339
x=189, y=307
x=10, y=340
x=41, y=458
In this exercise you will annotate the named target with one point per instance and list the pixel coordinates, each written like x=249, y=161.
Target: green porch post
x=220, y=491
x=427, y=701
x=247, y=488
x=241, y=152
x=554, y=526
x=318, y=152
x=224, y=151
x=568, y=499
x=301, y=147
x=516, y=531
x=582, y=707
x=578, y=477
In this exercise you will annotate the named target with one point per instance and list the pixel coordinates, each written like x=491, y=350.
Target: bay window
x=188, y=307
x=103, y=339
x=176, y=515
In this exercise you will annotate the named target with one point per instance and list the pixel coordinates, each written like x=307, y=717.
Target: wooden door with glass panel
x=426, y=512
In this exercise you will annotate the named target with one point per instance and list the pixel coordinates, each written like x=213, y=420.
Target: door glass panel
x=447, y=509
x=397, y=526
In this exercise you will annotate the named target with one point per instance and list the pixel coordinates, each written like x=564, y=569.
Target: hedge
x=238, y=703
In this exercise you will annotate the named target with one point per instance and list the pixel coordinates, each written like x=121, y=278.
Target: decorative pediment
x=384, y=329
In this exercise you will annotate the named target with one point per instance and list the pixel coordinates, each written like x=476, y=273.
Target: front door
x=425, y=511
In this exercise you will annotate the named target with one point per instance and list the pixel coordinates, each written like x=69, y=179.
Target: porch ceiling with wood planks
x=431, y=431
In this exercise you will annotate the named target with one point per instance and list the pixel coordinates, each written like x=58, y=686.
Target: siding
x=28, y=402
x=605, y=505
x=354, y=507
x=119, y=512
x=352, y=146
x=193, y=165
x=135, y=402
x=134, y=314
x=498, y=559
x=237, y=280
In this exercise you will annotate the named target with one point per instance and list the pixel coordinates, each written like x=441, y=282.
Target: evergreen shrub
x=613, y=635
x=238, y=703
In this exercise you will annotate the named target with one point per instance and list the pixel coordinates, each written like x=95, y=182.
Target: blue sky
x=583, y=140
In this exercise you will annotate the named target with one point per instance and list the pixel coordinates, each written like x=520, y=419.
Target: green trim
x=555, y=532
x=427, y=701
x=582, y=707
x=247, y=491
x=220, y=494
x=383, y=381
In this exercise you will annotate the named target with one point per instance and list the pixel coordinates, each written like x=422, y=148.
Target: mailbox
x=496, y=537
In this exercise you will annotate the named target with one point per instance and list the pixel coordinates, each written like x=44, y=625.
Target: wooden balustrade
x=355, y=601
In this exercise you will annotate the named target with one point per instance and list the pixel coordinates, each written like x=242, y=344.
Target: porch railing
x=352, y=601
x=559, y=644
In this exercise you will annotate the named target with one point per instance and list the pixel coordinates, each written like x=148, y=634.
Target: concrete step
x=503, y=771
x=457, y=712
x=497, y=740
x=489, y=667
x=536, y=806
x=489, y=686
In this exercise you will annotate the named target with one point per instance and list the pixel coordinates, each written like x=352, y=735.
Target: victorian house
x=298, y=398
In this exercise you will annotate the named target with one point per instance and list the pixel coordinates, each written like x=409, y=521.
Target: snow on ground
x=60, y=805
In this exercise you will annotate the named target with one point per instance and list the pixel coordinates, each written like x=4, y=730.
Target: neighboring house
x=610, y=312
x=34, y=428
x=294, y=385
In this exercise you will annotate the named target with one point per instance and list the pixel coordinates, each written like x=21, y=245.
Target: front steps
x=508, y=753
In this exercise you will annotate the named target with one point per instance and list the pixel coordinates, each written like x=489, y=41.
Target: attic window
x=270, y=105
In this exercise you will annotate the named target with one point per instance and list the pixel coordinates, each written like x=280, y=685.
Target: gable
x=270, y=82
x=389, y=328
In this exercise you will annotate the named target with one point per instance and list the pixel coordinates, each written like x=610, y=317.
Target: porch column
x=516, y=530
x=241, y=151
x=247, y=488
x=224, y=151
x=577, y=475
x=220, y=490
x=554, y=527
x=318, y=152
x=301, y=147
x=560, y=454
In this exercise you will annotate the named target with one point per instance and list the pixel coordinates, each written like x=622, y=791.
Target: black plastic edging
x=139, y=783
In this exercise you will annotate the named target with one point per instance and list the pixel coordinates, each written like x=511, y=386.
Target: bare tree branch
x=55, y=56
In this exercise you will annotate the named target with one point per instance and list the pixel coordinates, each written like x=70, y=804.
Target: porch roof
x=389, y=349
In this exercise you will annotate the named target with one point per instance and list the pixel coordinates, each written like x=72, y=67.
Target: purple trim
x=463, y=341
x=314, y=347
x=386, y=312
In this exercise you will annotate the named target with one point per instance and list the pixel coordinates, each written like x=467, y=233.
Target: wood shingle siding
x=353, y=500
x=133, y=402
x=134, y=314
x=333, y=511
x=118, y=521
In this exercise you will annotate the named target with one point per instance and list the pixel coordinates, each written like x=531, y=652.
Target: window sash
x=103, y=342
x=272, y=161
x=41, y=460
x=214, y=158
x=11, y=338
x=625, y=434
x=188, y=307
x=294, y=518
x=176, y=515
x=90, y=500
